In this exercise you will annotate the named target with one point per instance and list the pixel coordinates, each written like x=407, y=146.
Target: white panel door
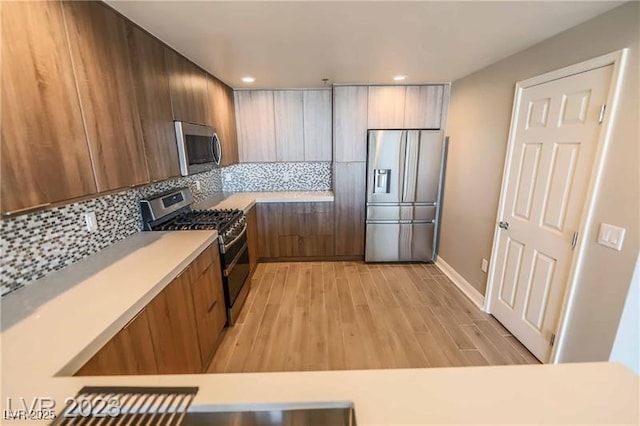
x=552, y=154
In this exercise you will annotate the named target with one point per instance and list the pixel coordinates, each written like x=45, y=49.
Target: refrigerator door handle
x=401, y=176
x=412, y=153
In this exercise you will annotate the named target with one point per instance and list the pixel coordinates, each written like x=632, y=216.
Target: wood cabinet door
x=128, y=352
x=208, y=304
x=289, y=125
x=252, y=238
x=423, y=107
x=350, y=195
x=188, y=86
x=386, y=107
x=255, y=124
x=172, y=324
x=100, y=55
x=350, y=123
x=44, y=155
x=151, y=84
x=295, y=230
x=223, y=118
x=317, y=125
x=231, y=146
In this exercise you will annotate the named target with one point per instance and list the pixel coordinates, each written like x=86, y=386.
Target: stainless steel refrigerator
x=405, y=170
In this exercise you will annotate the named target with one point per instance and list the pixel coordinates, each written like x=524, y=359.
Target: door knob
x=503, y=225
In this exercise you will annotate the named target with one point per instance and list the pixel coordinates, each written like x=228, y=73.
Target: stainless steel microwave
x=199, y=148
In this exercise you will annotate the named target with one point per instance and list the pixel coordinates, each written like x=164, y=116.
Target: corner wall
x=479, y=119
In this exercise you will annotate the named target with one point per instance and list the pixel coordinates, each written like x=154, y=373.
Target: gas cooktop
x=171, y=211
x=201, y=219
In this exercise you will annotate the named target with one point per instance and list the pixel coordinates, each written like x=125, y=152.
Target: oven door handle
x=227, y=271
x=229, y=244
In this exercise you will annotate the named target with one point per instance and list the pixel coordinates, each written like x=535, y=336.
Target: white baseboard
x=467, y=289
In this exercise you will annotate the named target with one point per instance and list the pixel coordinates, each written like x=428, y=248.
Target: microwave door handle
x=219, y=147
x=211, y=147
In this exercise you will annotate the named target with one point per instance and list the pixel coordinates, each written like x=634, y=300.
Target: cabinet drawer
x=208, y=257
x=209, y=309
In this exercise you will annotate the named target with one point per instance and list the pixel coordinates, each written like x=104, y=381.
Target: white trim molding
x=465, y=287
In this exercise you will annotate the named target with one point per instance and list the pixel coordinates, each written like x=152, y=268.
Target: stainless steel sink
x=294, y=414
x=171, y=406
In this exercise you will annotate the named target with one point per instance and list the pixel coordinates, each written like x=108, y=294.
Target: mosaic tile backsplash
x=37, y=243
x=277, y=177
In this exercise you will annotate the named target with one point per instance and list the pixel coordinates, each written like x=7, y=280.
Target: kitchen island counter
x=51, y=327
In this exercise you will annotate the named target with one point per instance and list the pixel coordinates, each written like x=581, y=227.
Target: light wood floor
x=351, y=315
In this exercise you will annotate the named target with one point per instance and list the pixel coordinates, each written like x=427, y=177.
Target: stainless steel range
x=172, y=211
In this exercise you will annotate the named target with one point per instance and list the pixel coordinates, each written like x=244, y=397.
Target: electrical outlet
x=92, y=222
x=198, y=186
x=485, y=265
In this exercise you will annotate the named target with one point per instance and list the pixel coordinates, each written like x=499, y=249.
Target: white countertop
x=246, y=200
x=51, y=327
x=54, y=325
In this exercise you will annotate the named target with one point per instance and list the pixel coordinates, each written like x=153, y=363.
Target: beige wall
x=479, y=117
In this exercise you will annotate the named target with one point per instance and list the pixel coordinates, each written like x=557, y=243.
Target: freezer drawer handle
x=381, y=181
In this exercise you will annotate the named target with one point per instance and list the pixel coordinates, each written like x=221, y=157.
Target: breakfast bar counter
x=50, y=328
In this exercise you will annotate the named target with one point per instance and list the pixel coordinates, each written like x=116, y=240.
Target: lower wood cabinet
x=209, y=309
x=128, y=352
x=172, y=322
x=350, y=196
x=295, y=230
x=252, y=238
x=176, y=333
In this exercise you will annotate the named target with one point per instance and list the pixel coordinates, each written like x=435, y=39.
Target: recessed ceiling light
x=248, y=79
x=399, y=77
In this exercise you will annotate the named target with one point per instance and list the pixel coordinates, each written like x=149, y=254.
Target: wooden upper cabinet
x=97, y=37
x=289, y=126
x=128, y=352
x=44, y=154
x=386, y=107
x=151, y=83
x=350, y=123
x=188, y=85
x=255, y=124
x=171, y=321
x=423, y=107
x=223, y=118
x=317, y=125
x=284, y=125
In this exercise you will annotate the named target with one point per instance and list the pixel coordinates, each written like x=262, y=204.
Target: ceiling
x=297, y=44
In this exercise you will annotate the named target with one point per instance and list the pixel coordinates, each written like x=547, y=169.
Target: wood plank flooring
x=352, y=315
